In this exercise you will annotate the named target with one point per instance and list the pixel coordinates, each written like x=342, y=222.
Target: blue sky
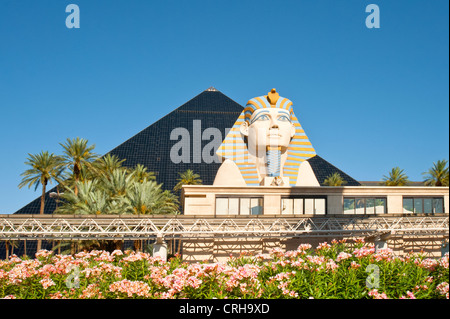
x=368, y=99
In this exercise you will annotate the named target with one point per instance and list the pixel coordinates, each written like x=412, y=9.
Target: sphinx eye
x=262, y=117
x=284, y=118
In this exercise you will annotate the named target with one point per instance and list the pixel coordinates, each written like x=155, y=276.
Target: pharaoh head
x=267, y=123
x=266, y=140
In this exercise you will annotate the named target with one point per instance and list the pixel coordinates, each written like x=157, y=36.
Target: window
x=423, y=205
x=408, y=205
x=364, y=205
x=370, y=205
x=303, y=205
x=360, y=205
x=427, y=205
x=221, y=206
x=349, y=205
x=239, y=206
x=380, y=206
x=256, y=207
x=438, y=205
x=418, y=205
x=319, y=206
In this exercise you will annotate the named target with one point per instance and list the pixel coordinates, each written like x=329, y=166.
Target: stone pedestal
x=380, y=244
x=160, y=250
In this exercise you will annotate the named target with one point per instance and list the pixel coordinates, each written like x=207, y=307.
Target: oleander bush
x=336, y=270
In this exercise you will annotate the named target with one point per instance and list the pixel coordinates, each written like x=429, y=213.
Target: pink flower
x=318, y=260
x=57, y=295
x=290, y=293
x=304, y=247
x=117, y=252
x=47, y=282
x=323, y=245
x=376, y=295
x=342, y=256
x=243, y=288
x=300, y=263
x=131, y=288
x=277, y=252
x=193, y=282
x=25, y=269
x=92, y=291
x=428, y=263
x=48, y=270
x=363, y=251
x=384, y=254
x=354, y=265
x=44, y=253
x=443, y=262
x=443, y=289
x=82, y=254
x=104, y=256
x=409, y=294
x=134, y=257
x=166, y=295
x=331, y=265
x=15, y=259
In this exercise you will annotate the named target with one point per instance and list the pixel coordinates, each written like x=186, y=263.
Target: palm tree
x=140, y=174
x=396, y=178
x=106, y=164
x=187, y=178
x=90, y=200
x=45, y=167
x=116, y=182
x=437, y=175
x=116, y=196
x=78, y=156
x=148, y=198
x=334, y=179
x=171, y=203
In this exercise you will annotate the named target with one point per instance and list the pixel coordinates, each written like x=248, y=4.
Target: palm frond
x=438, y=175
x=187, y=178
x=396, y=177
x=334, y=179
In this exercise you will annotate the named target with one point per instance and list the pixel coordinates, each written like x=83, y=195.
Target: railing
x=65, y=227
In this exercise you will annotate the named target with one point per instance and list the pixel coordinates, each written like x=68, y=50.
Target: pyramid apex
x=212, y=89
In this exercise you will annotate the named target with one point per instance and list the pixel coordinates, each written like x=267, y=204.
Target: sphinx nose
x=273, y=123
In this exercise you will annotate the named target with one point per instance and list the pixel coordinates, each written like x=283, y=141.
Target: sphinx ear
x=244, y=128
x=292, y=130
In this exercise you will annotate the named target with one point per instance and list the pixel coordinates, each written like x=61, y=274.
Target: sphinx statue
x=266, y=147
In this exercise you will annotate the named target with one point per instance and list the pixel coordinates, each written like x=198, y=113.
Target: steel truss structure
x=126, y=227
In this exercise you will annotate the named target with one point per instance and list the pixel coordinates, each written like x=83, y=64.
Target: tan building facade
x=314, y=201
x=364, y=203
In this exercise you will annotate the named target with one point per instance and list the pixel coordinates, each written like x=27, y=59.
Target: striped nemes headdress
x=234, y=146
